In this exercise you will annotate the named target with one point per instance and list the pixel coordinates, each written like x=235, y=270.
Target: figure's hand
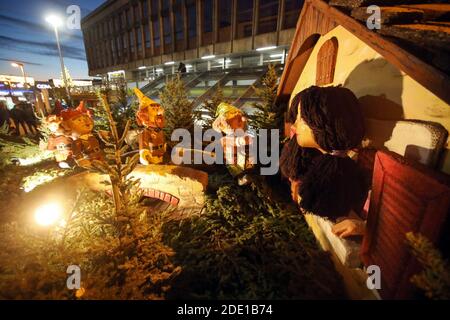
x=349, y=227
x=144, y=157
x=244, y=140
x=43, y=145
x=295, y=185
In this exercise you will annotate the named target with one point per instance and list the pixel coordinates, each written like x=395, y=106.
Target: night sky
x=25, y=36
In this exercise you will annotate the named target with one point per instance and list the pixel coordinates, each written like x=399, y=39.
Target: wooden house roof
x=414, y=36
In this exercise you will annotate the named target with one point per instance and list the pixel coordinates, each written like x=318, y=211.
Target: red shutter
x=405, y=197
x=326, y=62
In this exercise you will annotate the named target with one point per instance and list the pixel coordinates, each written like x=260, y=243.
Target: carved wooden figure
x=85, y=146
x=152, y=144
x=233, y=123
x=59, y=142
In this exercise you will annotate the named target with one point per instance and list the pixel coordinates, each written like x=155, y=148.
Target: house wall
x=384, y=91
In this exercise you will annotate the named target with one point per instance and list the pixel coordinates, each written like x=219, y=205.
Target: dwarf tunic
x=61, y=147
x=87, y=147
x=152, y=139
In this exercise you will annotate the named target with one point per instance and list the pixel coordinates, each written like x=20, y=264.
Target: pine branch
x=434, y=279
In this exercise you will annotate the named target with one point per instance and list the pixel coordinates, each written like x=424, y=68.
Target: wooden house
x=400, y=74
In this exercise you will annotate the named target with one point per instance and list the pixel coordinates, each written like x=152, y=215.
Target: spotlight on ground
x=48, y=214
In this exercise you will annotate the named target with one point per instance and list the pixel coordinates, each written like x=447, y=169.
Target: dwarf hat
x=58, y=108
x=224, y=112
x=68, y=114
x=227, y=110
x=144, y=101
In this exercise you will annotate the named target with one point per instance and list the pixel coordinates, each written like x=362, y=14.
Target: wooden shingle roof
x=419, y=26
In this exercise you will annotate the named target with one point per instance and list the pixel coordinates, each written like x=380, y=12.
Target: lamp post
x=20, y=65
x=56, y=22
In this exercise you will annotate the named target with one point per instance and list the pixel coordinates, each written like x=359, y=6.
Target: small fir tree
x=434, y=279
x=116, y=169
x=178, y=110
x=207, y=114
x=267, y=115
x=120, y=109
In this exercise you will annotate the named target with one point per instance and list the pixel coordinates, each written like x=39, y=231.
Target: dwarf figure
x=236, y=142
x=85, y=146
x=152, y=144
x=59, y=142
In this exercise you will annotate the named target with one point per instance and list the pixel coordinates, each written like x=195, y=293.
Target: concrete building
x=141, y=40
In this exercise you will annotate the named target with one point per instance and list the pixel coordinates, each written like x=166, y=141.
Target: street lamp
x=20, y=65
x=55, y=21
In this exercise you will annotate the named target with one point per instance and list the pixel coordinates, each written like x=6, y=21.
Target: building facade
x=142, y=39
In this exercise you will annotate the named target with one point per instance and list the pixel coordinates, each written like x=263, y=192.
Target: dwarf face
x=81, y=124
x=53, y=127
x=237, y=122
x=151, y=116
x=54, y=124
x=304, y=134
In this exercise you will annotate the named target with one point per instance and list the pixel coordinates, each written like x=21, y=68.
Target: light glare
x=47, y=214
x=266, y=48
x=55, y=21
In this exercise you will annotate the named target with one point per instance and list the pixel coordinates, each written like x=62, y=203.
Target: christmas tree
x=267, y=115
x=207, y=114
x=178, y=110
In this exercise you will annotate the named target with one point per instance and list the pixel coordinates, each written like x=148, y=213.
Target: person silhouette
x=182, y=68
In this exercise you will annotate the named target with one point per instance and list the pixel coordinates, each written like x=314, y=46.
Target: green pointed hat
x=227, y=110
x=224, y=112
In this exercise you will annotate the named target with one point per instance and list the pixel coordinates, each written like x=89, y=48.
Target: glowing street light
x=48, y=214
x=20, y=65
x=56, y=22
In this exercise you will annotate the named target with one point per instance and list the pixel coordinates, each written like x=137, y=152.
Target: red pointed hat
x=68, y=114
x=58, y=108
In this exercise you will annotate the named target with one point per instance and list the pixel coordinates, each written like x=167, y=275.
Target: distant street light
x=20, y=65
x=55, y=21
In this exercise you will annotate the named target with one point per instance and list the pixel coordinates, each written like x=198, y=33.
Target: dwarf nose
x=292, y=132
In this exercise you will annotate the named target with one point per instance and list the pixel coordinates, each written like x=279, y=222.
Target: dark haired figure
x=294, y=159
x=4, y=114
x=329, y=119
